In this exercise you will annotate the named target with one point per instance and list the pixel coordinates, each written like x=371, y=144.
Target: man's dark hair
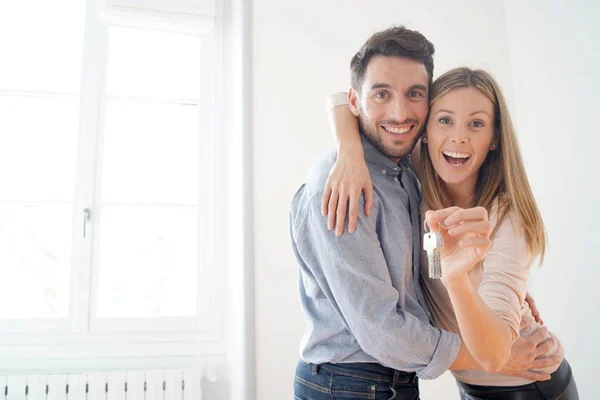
x=396, y=41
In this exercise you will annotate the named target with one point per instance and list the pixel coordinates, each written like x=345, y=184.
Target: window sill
x=87, y=355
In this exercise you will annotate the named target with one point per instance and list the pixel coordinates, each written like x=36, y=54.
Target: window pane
x=150, y=153
x=38, y=148
x=35, y=260
x=148, y=262
x=41, y=43
x=154, y=64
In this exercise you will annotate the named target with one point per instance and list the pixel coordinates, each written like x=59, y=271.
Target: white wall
x=555, y=54
x=301, y=52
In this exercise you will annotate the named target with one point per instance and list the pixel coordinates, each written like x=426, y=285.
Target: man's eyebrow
x=419, y=87
x=380, y=86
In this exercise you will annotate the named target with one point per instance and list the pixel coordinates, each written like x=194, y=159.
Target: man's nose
x=401, y=110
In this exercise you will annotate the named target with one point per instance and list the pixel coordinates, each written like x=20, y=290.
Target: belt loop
x=315, y=369
x=395, y=379
x=394, y=393
x=414, y=378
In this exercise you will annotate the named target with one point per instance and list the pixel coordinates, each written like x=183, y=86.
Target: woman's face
x=460, y=132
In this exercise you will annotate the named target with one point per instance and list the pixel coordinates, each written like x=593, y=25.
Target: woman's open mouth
x=456, y=160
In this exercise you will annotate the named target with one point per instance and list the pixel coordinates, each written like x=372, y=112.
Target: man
x=369, y=332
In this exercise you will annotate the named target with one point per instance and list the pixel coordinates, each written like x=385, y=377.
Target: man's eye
x=415, y=94
x=381, y=95
x=444, y=120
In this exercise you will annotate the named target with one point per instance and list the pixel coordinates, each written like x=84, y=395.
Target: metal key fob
x=432, y=244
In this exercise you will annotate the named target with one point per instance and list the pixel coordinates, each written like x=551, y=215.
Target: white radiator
x=109, y=385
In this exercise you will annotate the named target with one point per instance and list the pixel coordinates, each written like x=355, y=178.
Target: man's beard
x=374, y=136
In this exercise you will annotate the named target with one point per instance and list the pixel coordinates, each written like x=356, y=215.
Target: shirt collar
x=386, y=166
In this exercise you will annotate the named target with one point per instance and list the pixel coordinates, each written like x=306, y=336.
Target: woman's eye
x=477, y=124
x=444, y=120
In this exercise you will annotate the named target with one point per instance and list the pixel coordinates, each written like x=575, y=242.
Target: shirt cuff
x=443, y=356
x=335, y=100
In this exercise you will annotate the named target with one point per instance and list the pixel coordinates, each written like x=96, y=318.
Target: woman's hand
x=466, y=235
x=348, y=178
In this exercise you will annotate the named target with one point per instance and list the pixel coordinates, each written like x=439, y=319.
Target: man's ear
x=353, y=101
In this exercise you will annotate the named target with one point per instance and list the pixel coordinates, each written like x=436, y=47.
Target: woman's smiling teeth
x=398, y=131
x=456, y=159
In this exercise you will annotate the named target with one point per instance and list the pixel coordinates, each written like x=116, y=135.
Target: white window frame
x=84, y=342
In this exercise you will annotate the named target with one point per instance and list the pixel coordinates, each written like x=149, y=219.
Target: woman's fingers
x=353, y=211
x=452, y=216
x=435, y=218
x=477, y=227
x=341, y=197
x=463, y=215
x=340, y=216
x=332, y=208
x=480, y=242
x=336, y=203
x=368, y=192
x=326, y=197
x=434, y=226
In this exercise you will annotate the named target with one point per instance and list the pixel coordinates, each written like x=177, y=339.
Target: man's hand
x=528, y=354
x=534, y=310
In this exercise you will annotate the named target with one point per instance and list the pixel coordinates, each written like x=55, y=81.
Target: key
x=432, y=244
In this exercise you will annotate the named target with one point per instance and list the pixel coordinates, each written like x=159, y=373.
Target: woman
x=468, y=157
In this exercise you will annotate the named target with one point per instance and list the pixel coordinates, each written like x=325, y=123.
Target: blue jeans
x=353, y=381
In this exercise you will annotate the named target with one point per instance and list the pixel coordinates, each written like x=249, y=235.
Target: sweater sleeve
x=335, y=100
x=505, y=272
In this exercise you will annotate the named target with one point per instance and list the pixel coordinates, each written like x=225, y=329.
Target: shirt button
x=383, y=171
x=396, y=179
x=395, y=168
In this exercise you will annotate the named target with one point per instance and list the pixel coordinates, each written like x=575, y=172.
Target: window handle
x=86, y=218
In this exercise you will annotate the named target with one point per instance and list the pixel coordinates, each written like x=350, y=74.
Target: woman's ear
x=495, y=140
x=494, y=144
x=353, y=102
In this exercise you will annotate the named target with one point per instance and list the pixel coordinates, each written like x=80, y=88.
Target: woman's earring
x=424, y=139
x=493, y=147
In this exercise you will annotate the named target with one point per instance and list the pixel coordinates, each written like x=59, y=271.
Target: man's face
x=393, y=104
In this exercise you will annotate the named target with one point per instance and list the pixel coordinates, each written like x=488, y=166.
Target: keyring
x=426, y=225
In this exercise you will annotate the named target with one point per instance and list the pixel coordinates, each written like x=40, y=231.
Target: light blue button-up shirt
x=361, y=293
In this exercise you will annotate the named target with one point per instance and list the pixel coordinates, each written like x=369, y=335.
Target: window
x=107, y=182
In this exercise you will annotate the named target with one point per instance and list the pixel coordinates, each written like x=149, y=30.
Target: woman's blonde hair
x=502, y=175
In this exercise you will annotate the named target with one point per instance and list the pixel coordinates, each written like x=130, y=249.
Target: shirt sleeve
x=335, y=100
x=353, y=273
x=505, y=272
